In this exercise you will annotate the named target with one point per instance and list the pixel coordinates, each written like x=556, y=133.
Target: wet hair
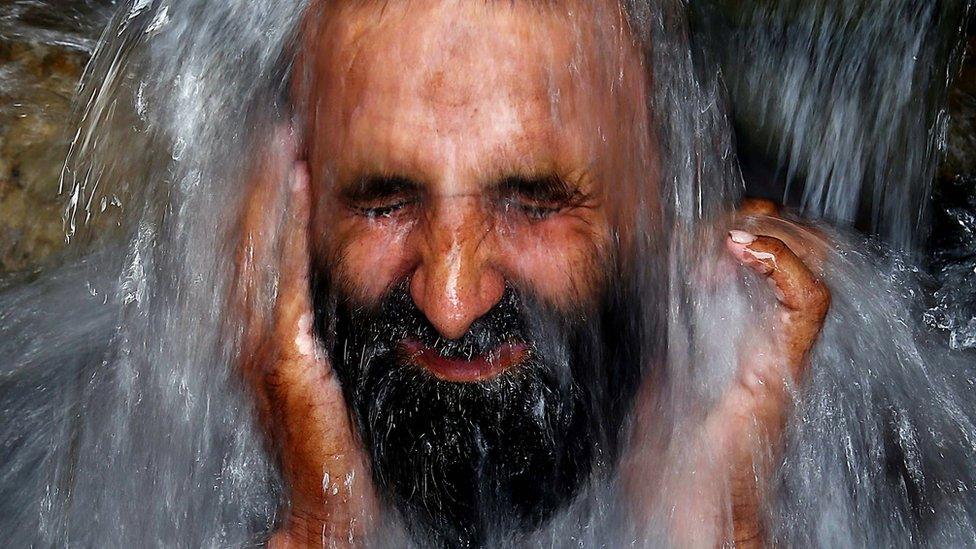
x=125, y=421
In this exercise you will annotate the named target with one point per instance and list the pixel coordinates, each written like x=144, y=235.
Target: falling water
x=841, y=109
x=126, y=423
x=845, y=101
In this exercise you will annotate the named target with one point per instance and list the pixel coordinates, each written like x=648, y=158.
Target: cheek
x=368, y=257
x=561, y=260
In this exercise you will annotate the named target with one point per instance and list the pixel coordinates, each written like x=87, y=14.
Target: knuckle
x=825, y=299
x=774, y=246
x=818, y=300
x=759, y=206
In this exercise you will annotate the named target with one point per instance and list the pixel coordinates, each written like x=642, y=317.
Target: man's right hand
x=300, y=402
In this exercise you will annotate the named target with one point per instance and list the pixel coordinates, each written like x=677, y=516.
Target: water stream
x=125, y=420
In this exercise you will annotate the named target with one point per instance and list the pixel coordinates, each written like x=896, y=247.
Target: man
x=463, y=248
x=457, y=283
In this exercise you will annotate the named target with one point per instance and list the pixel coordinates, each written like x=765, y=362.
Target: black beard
x=477, y=464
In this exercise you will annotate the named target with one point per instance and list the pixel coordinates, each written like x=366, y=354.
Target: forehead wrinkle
x=464, y=33
x=357, y=26
x=384, y=145
x=407, y=136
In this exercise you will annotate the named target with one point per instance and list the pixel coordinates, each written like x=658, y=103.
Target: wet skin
x=462, y=146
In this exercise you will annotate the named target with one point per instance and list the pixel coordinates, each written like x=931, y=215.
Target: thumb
x=294, y=308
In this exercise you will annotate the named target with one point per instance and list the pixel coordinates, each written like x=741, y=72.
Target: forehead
x=434, y=85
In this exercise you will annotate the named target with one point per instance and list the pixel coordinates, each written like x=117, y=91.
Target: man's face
x=468, y=159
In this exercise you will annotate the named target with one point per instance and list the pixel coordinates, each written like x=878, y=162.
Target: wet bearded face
x=466, y=281
x=466, y=461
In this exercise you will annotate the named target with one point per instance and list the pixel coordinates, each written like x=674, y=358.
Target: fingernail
x=762, y=256
x=742, y=237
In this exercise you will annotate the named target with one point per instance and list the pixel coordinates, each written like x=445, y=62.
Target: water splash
x=845, y=101
x=125, y=423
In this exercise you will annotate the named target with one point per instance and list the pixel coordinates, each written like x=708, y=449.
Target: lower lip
x=479, y=368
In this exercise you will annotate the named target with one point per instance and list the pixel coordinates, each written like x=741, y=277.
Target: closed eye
x=380, y=196
x=538, y=198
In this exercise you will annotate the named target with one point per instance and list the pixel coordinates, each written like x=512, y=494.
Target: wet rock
x=961, y=139
x=36, y=85
x=952, y=242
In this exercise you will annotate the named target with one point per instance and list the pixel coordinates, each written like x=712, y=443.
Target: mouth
x=476, y=368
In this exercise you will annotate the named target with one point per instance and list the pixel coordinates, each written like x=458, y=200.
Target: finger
x=802, y=294
x=294, y=260
x=806, y=241
x=271, y=169
x=294, y=307
x=799, y=289
x=260, y=220
x=758, y=206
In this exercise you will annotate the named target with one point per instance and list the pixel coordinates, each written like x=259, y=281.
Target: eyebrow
x=543, y=188
x=377, y=187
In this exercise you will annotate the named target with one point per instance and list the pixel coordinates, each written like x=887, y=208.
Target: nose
x=455, y=282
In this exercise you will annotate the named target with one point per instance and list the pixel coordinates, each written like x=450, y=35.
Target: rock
x=36, y=86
